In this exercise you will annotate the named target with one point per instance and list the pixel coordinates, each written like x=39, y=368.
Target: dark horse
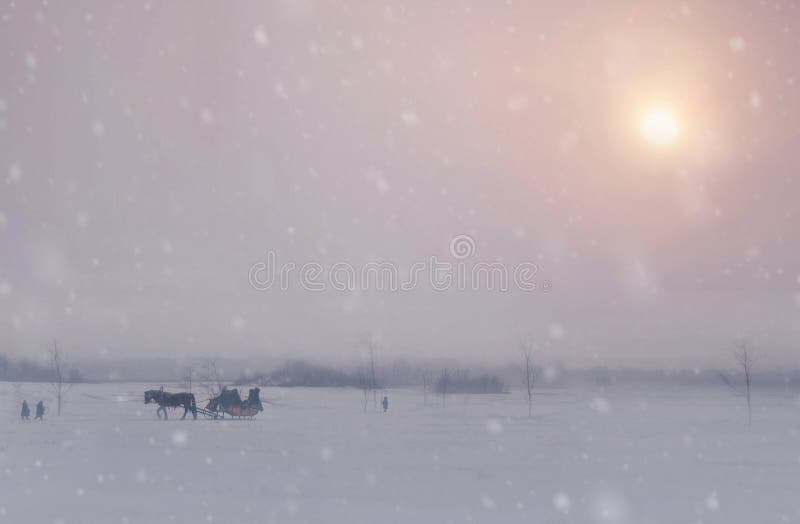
x=171, y=400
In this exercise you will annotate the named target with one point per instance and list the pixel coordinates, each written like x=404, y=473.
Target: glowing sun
x=660, y=127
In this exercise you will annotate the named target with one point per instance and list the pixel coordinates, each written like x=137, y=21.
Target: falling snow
x=640, y=156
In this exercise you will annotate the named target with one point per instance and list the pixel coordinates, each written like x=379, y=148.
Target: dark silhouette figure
x=385, y=404
x=26, y=411
x=39, y=411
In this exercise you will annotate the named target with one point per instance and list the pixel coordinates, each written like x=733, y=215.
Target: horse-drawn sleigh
x=228, y=404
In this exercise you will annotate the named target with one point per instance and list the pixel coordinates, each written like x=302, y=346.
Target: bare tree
x=188, y=375
x=373, y=379
x=743, y=355
x=364, y=383
x=443, y=385
x=424, y=387
x=211, y=377
x=370, y=347
x=528, y=367
x=60, y=383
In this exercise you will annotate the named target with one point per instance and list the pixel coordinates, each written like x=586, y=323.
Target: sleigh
x=228, y=404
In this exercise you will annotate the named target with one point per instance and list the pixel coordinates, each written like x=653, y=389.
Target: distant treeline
x=457, y=378
x=392, y=373
x=24, y=370
x=460, y=381
x=302, y=373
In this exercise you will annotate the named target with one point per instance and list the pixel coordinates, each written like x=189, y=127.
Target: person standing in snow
x=39, y=411
x=385, y=404
x=26, y=411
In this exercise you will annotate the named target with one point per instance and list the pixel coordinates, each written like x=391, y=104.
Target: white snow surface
x=656, y=455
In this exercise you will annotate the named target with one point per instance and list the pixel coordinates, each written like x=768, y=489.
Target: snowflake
x=517, y=103
x=14, y=174
x=180, y=438
x=736, y=44
x=141, y=476
x=556, y=331
x=494, y=426
x=712, y=501
x=260, y=36
x=30, y=61
x=82, y=220
x=237, y=323
x=207, y=116
x=382, y=185
x=561, y=502
x=600, y=405
x=755, y=100
x=410, y=118
x=609, y=507
x=98, y=129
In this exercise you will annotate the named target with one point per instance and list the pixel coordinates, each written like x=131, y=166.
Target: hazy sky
x=152, y=152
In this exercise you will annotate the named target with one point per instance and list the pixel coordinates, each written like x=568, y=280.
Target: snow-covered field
x=615, y=455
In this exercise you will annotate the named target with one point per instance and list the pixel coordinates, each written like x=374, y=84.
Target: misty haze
x=431, y=262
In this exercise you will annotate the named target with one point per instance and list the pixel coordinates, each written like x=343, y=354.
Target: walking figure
x=26, y=411
x=39, y=411
x=385, y=404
